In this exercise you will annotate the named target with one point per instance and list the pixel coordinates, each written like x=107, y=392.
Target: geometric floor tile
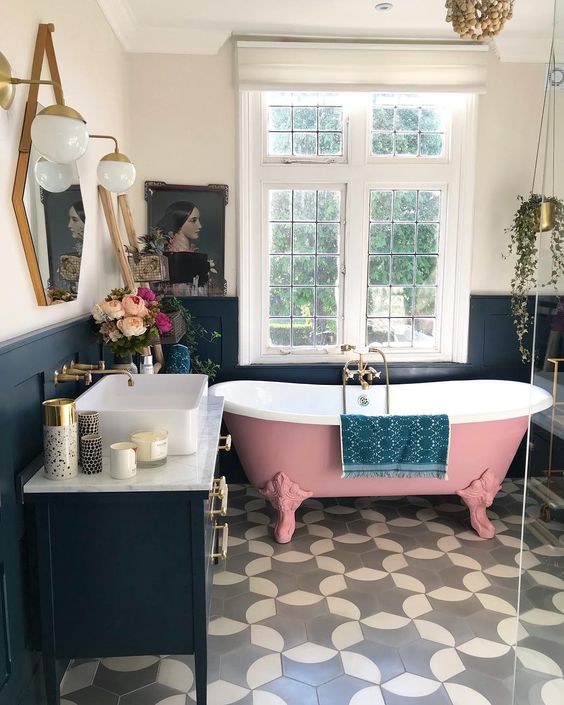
x=376, y=601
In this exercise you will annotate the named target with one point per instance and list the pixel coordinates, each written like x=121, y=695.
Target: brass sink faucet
x=365, y=373
x=76, y=371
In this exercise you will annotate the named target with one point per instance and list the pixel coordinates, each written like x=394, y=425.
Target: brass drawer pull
x=227, y=443
x=223, y=493
x=219, y=487
x=222, y=555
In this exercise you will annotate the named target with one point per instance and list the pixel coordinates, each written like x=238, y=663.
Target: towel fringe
x=395, y=474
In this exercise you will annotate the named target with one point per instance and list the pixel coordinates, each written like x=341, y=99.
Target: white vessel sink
x=155, y=401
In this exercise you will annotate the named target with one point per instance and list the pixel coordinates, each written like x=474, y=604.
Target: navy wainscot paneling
x=27, y=364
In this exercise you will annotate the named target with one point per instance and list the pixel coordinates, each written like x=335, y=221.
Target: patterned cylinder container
x=88, y=424
x=60, y=439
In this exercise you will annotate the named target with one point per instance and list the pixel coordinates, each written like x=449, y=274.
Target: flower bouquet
x=130, y=322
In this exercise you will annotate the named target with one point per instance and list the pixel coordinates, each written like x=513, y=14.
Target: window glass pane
x=305, y=124
x=330, y=118
x=378, y=270
x=377, y=331
x=424, y=332
x=378, y=301
x=404, y=238
x=280, y=331
x=279, y=118
x=326, y=301
x=402, y=270
x=305, y=143
x=280, y=270
x=280, y=143
x=327, y=271
x=281, y=237
x=426, y=270
x=405, y=125
x=305, y=268
x=303, y=301
x=328, y=237
x=405, y=205
x=401, y=303
x=330, y=143
x=302, y=332
x=380, y=237
x=401, y=308
x=427, y=237
x=429, y=205
x=382, y=143
x=305, y=118
x=280, y=205
x=328, y=206
x=381, y=205
x=401, y=332
x=280, y=299
x=304, y=237
x=326, y=331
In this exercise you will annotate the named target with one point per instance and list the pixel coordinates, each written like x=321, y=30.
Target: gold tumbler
x=60, y=439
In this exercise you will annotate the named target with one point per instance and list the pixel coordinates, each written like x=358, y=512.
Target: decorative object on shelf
x=148, y=267
x=177, y=359
x=192, y=221
x=88, y=424
x=56, y=295
x=152, y=447
x=532, y=217
x=91, y=453
x=128, y=322
x=69, y=267
x=478, y=19
x=60, y=439
x=124, y=362
x=177, y=331
x=195, y=333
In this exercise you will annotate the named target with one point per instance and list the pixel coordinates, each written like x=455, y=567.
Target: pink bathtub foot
x=285, y=495
x=478, y=496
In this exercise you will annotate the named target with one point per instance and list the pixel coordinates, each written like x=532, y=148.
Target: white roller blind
x=302, y=65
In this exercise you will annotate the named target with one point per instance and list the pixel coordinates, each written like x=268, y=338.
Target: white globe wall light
x=53, y=177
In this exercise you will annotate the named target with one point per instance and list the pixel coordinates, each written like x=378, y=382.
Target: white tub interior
x=467, y=401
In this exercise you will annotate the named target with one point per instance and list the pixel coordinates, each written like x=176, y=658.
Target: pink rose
x=146, y=293
x=134, y=306
x=131, y=325
x=98, y=313
x=113, y=309
x=163, y=323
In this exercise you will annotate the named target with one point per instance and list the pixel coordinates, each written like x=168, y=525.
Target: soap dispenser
x=147, y=365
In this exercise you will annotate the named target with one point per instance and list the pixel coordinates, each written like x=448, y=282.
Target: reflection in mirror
x=56, y=221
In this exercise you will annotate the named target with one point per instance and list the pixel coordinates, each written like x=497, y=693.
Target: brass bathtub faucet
x=364, y=372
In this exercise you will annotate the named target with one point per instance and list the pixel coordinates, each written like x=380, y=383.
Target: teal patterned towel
x=395, y=446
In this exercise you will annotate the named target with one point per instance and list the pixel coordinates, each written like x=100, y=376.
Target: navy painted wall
x=26, y=370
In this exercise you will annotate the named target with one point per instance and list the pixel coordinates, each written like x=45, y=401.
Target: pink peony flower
x=163, y=323
x=134, y=306
x=146, y=294
x=113, y=309
x=132, y=325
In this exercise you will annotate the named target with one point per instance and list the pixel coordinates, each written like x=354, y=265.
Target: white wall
x=184, y=131
x=92, y=67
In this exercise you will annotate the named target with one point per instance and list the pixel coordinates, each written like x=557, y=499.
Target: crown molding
x=524, y=50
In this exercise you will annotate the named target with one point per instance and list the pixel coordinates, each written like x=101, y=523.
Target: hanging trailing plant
x=526, y=224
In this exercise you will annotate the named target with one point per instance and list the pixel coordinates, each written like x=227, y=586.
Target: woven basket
x=69, y=267
x=147, y=267
x=177, y=331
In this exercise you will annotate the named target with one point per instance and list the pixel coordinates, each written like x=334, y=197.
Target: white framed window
x=370, y=245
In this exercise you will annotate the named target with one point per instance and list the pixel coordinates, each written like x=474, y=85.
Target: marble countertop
x=181, y=473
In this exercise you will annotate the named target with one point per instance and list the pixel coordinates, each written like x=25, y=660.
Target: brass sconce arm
x=107, y=137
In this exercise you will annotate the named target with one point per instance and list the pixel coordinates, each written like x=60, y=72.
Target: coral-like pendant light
x=478, y=19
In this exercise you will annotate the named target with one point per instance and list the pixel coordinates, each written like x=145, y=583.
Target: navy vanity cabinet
x=125, y=573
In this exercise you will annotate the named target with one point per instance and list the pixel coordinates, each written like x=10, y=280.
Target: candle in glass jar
x=152, y=447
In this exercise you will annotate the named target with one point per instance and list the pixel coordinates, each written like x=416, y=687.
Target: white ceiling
x=203, y=26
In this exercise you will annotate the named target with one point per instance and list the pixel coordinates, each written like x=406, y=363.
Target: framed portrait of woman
x=187, y=224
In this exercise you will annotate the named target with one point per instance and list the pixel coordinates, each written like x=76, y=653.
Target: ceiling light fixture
x=383, y=6
x=478, y=19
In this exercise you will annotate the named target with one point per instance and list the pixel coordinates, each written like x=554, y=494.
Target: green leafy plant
x=524, y=245
x=154, y=242
x=195, y=332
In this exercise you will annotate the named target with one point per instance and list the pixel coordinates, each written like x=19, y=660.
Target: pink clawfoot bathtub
x=288, y=440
